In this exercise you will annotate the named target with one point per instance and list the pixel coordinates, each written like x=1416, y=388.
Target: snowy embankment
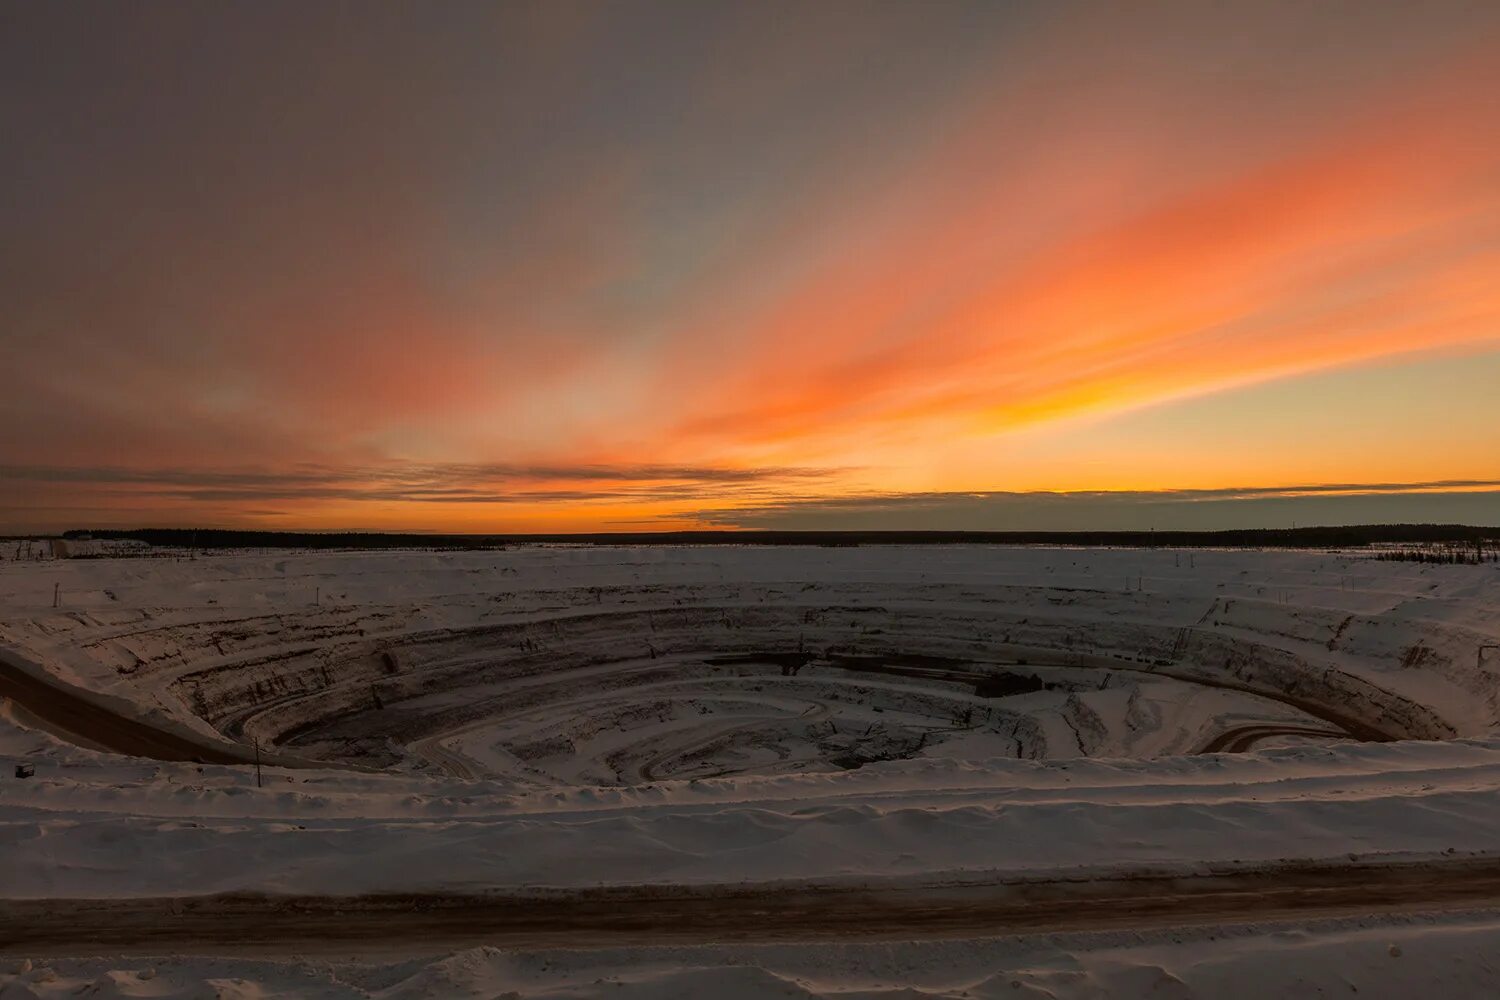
x=91, y=828
x=1444, y=956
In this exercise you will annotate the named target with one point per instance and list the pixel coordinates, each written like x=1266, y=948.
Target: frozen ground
x=1449, y=956
x=548, y=720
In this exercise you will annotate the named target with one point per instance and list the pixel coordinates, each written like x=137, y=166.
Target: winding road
x=1340, y=725
x=1243, y=738
x=68, y=713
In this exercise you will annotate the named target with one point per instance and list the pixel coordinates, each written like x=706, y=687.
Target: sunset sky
x=596, y=266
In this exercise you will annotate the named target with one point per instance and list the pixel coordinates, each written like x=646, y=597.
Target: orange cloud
x=1378, y=240
x=898, y=244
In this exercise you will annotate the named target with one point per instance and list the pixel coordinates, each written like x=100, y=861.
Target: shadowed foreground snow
x=1450, y=957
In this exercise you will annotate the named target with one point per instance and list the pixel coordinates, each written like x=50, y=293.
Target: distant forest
x=1291, y=538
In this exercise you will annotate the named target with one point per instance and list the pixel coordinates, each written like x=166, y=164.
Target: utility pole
x=258, y=782
x=56, y=594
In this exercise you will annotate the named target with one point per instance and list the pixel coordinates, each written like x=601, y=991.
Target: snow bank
x=1450, y=956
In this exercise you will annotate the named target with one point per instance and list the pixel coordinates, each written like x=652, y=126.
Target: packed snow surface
x=1387, y=959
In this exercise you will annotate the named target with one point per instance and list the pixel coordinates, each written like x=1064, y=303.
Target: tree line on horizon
x=1475, y=538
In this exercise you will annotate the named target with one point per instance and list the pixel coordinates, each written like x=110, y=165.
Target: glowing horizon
x=547, y=268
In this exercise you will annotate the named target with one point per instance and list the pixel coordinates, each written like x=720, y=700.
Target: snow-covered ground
x=1450, y=956
x=556, y=718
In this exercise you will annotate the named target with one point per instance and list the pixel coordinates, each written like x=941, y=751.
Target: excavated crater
x=610, y=693
x=542, y=668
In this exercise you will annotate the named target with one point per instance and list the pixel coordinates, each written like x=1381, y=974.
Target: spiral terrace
x=699, y=662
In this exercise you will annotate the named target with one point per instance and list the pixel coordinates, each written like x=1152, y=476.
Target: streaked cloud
x=540, y=266
x=455, y=483
x=1458, y=502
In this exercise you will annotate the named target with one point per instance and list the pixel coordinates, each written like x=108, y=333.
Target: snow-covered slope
x=1386, y=959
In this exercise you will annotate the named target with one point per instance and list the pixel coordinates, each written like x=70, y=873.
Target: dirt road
x=414, y=924
x=1341, y=724
x=1244, y=738
x=70, y=715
